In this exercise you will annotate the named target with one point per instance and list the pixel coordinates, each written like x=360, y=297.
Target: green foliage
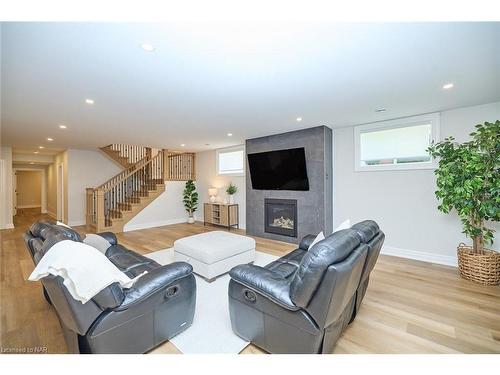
x=190, y=197
x=468, y=180
x=231, y=189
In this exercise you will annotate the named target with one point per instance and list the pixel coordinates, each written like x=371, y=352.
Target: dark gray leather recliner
x=302, y=302
x=160, y=304
x=370, y=234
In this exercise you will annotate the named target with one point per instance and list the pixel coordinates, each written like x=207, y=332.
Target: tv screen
x=279, y=170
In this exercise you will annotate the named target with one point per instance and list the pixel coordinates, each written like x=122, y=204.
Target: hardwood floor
x=410, y=306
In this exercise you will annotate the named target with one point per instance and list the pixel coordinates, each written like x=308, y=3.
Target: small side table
x=224, y=215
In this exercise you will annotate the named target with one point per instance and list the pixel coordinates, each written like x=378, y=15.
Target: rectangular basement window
x=396, y=144
x=231, y=161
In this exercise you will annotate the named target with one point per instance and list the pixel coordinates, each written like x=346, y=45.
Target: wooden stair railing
x=111, y=205
x=181, y=166
x=126, y=155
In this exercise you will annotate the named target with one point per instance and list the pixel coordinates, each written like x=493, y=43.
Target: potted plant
x=231, y=190
x=468, y=180
x=190, y=200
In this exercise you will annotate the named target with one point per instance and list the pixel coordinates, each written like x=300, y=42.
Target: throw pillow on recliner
x=97, y=242
x=320, y=237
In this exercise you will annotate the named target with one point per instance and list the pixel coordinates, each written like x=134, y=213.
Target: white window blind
x=396, y=144
x=408, y=142
x=230, y=161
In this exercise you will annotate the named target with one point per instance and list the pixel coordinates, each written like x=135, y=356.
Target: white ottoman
x=213, y=253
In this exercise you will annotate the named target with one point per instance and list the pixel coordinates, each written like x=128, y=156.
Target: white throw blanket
x=85, y=270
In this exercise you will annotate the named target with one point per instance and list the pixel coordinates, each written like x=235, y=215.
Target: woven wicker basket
x=482, y=268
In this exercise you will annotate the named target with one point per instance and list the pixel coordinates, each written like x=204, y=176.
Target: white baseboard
x=76, y=223
x=446, y=260
x=8, y=226
x=30, y=206
x=131, y=227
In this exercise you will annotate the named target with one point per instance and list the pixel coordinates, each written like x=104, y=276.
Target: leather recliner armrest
x=265, y=282
x=154, y=281
x=110, y=237
x=110, y=297
x=307, y=241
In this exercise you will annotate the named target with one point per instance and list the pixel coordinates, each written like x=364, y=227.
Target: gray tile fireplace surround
x=314, y=207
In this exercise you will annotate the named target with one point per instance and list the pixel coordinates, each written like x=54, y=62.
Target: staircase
x=111, y=205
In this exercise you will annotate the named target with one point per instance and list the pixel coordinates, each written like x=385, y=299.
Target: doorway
x=28, y=191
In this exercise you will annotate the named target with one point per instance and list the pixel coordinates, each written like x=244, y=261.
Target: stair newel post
x=165, y=165
x=149, y=166
x=161, y=169
x=100, y=220
x=89, y=194
x=193, y=166
x=113, y=200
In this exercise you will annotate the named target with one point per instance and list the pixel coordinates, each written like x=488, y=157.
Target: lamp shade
x=212, y=192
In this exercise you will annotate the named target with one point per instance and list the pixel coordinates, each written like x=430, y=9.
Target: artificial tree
x=190, y=199
x=468, y=180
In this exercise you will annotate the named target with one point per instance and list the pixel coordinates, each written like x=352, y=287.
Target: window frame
x=432, y=118
x=226, y=150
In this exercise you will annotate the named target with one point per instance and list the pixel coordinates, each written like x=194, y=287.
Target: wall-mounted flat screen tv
x=279, y=170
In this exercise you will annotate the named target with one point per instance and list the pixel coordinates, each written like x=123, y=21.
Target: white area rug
x=211, y=330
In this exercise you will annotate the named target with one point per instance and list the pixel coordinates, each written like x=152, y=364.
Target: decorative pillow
x=97, y=242
x=62, y=224
x=319, y=237
x=344, y=225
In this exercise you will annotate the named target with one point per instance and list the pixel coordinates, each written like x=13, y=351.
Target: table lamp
x=212, y=192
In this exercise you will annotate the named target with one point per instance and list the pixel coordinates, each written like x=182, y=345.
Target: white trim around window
x=432, y=119
x=234, y=168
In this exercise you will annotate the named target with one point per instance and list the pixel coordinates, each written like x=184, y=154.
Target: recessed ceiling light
x=229, y=134
x=89, y=101
x=50, y=139
x=182, y=144
x=62, y=126
x=41, y=147
x=31, y=162
x=448, y=86
x=299, y=119
x=147, y=47
x=379, y=110
x=36, y=152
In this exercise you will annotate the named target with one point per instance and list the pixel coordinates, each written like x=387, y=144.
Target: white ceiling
x=205, y=80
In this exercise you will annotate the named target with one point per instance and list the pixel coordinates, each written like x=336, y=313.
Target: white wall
x=165, y=210
x=6, y=188
x=403, y=202
x=207, y=177
x=85, y=169
x=52, y=190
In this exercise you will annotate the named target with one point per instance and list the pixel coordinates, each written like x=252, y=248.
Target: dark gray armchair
x=370, y=234
x=160, y=304
x=302, y=302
